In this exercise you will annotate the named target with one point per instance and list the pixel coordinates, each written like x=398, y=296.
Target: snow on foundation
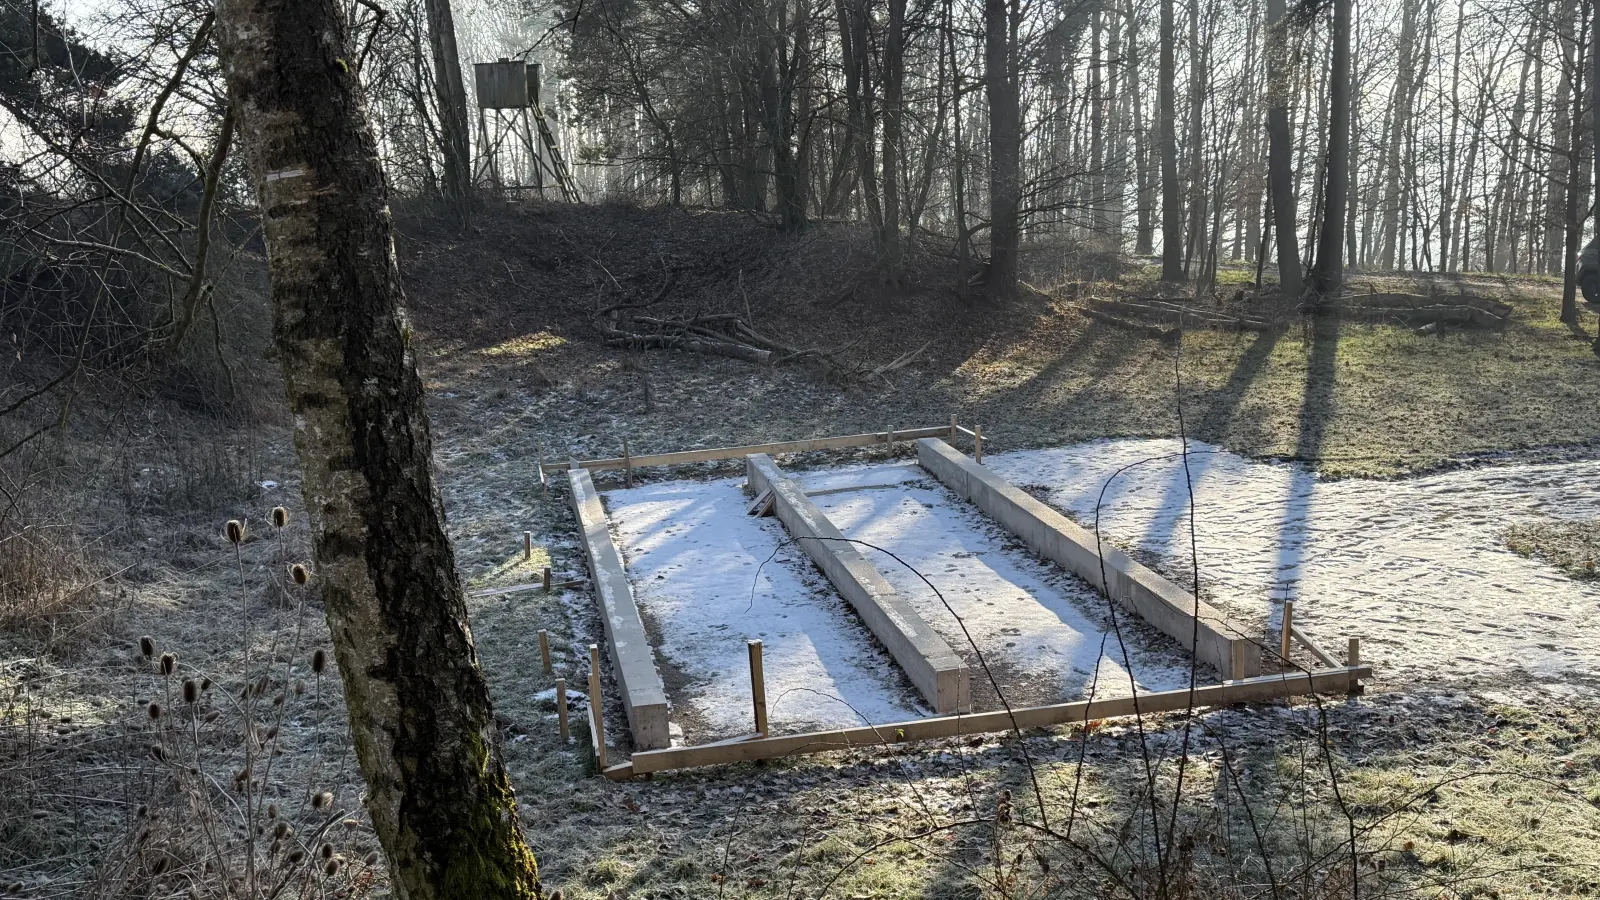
x=693, y=553
x=693, y=556
x=1042, y=633
x=1415, y=568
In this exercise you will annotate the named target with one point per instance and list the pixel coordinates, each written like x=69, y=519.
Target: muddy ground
x=1448, y=788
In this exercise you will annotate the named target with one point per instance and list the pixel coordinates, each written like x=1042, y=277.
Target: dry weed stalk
x=241, y=804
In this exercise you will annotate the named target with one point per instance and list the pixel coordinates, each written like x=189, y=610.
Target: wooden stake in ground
x=597, y=713
x=758, y=686
x=437, y=792
x=1287, y=640
x=561, y=708
x=544, y=650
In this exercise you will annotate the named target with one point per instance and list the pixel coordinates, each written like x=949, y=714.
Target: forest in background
x=919, y=203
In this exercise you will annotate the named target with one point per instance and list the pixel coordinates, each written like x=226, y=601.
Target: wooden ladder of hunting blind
x=557, y=163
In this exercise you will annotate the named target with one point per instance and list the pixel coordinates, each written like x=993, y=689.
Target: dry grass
x=511, y=361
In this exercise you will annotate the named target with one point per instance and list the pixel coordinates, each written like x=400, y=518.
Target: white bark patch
x=285, y=173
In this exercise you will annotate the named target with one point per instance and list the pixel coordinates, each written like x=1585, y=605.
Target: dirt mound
x=532, y=268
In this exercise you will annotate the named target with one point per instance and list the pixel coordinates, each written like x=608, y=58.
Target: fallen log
x=1148, y=330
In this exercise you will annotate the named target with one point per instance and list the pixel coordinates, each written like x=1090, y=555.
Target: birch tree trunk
x=439, y=798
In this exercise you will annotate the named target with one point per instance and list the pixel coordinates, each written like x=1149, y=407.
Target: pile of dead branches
x=1159, y=318
x=629, y=326
x=1416, y=310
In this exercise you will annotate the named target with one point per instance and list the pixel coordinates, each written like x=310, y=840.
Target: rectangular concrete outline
x=922, y=654
x=643, y=695
x=1053, y=536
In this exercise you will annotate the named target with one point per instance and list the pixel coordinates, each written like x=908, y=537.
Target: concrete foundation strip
x=1053, y=536
x=923, y=655
x=643, y=695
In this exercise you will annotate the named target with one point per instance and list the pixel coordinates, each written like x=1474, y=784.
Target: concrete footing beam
x=643, y=695
x=924, y=656
x=1053, y=536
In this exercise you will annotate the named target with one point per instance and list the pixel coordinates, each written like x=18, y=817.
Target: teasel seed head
x=153, y=710
x=213, y=715
x=272, y=811
x=147, y=646
x=295, y=856
x=321, y=799
x=372, y=858
x=169, y=663
x=299, y=574
x=319, y=661
x=299, y=687
x=326, y=850
x=158, y=753
x=191, y=690
x=331, y=868
x=235, y=531
x=280, y=517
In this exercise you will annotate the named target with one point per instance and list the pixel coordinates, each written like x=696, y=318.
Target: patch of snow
x=1039, y=629
x=1416, y=568
x=692, y=555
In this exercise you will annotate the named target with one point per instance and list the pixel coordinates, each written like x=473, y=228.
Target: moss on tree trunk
x=437, y=792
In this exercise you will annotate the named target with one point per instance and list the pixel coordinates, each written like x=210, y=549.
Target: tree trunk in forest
x=1195, y=236
x=1447, y=193
x=1280, y=149
x=1575, y=193
x=425, y=738
x=894, y=77
x=1145, y=199
x=1394, y=169
x=455, y=125
x=777, y=69
x=1000, y=20
x=1328, y=276
x=1171, y=188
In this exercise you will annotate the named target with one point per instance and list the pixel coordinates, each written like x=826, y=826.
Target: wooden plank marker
x=756, y=747
x=547, y=579
x=953, y=428
x=561, y=708
x=1287, y=640
x=685, y=457
x=761, y=506
x=1310, y=643
x=977, y=444
x=544, y=484
x=1355, y=661
x=1236, y=656
x=544, y=650
x=597, y=723
x=527, y=545
x=627, y=464
x=758, y=686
